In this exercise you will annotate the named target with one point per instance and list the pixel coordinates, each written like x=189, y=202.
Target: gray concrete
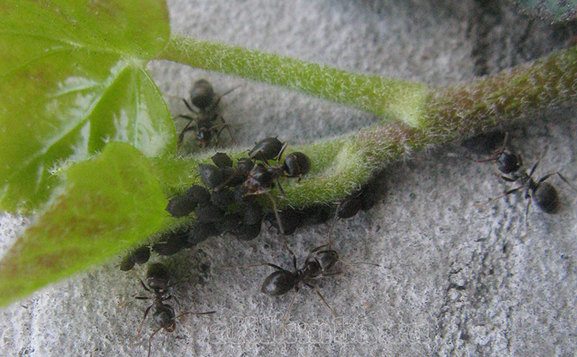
x=456, y=278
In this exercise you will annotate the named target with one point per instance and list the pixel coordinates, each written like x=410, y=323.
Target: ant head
x=327, y=258
x=507, y=162
x=203, y=136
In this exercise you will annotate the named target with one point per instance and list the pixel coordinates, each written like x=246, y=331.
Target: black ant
x=542, y=193
x=262, y=177
x=318, y=263
x=202, y=96
x=158, y=279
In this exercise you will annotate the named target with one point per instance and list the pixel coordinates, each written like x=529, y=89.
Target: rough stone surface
x=457, y=277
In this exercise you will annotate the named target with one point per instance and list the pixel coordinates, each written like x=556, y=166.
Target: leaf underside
x=72, y=79
x=94, y=218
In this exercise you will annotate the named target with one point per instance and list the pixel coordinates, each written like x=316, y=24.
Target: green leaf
x=72, y=78
x=552, y=10
x=108, y=205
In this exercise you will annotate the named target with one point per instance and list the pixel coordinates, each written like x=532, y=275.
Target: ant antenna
x=287, y=312
x=316, y=289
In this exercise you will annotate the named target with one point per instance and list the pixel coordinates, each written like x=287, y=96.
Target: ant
x=202, y=96
x=542, y=193
x=158, y=280
x=261, y=179
x=318, y=263
x=262, y=176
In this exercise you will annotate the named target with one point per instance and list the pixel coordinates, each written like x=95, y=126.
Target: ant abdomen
x=278, y=283
x=546, y=197
x=202, y=94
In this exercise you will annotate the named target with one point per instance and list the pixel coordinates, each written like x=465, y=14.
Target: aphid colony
x=230, y=201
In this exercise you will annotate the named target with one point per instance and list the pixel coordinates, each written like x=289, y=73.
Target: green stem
x=423, y=117
x=392, y=99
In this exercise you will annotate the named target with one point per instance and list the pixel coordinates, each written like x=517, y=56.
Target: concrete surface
x=456, y=278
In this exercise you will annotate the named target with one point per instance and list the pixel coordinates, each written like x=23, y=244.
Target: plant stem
x=391, y=99
x=417, y=117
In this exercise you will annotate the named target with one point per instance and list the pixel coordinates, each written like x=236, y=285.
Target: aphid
x=204, y=120
x=221, y=160
x=234, y=176
x=247, y=231
x=182, y=205
x=157, y=284
x=139, y=256
x=364, y=199
x=269, y=148
x=200, y=232
x=318, y=263
x=211, y=175
x=484, y=144
x=350, y=206
x=208, y=213
x=222, y=198
x=290, y=218
x=296, y=164
x=171, y=245
x=252, y=213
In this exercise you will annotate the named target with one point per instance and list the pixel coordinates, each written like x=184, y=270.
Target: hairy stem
x=417, y=116
x=391, y=99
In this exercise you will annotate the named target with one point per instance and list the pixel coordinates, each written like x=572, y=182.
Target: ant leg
x=252, y=266
x=143, y=319
x=287, y=313
x=280, y=226
x=527, y=212
x=194, y=313
x=507, y=193
x=189, y=106
x=150, y=340
x=278, y=156
x=276, y=267
x=564, y=180
x=144, y=286
x=186, y=129
x=280, y=188
x=225, y=125
x=291, y=253
x=533, y=168
x=508, y=179
x=222, y=95
x=187, y=117
x=316, y=289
